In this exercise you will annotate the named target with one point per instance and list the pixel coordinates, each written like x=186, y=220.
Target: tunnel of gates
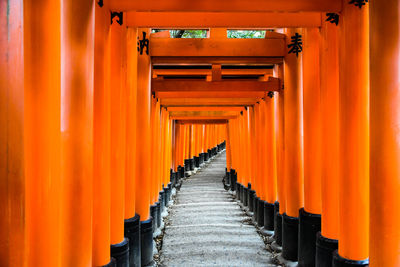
x=100, y=117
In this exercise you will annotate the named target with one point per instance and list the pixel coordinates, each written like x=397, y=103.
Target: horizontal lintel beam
x=228, y=86
x=196, y=102
x=170, y=60
x=205, y=72
x=209, y=108
x=231, y=20
x=202, y=121
x=209, y=47
x=227, y=5
x=203, y=117
x=208, y=94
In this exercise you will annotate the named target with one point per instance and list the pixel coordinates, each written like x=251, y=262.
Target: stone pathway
x=206, y=227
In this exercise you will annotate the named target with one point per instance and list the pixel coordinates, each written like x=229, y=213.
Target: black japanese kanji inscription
x=119, y=15
x=332, y=18
x=271, y=94
x=144, y=43
x=296, y=45
x=100, y=3
x=358, y=3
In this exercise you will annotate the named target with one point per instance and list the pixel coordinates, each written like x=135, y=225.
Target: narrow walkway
x=206, y=227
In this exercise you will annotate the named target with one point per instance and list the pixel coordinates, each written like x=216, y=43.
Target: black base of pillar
x=339, y=261
x=192, y=164
x=187, y=165
x=196, y=162
x=255, y=204
x=112, y=263
x=159, y=217
x=245, y=196
x=248, y=194
x=251, y=200
x=154, y=214
x=324, y=250
x=241, y=192
x=162, y=196
x=132, y=232
x=269, y=212
x=290, y=237
x=277, y=224
x=173, y=178
x=146, y=240
x=260, y=213
x=120, y=252
x=167, y=193
x=237, y=191
x=309, y=226
x=182, y=173
x=232, y=181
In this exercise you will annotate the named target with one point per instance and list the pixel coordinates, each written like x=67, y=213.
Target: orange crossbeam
x=208, y=101
x=273, y=84
x=211, y=108
x=242, y=20
x=227, y=5
x=203, y=117
x=205, y=72
x=209, y=47
x=262, y=60
x=201, y=121
x=207, y=94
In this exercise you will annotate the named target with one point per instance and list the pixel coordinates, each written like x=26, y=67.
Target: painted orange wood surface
x=330, y=131
x=241, y=20
x=294, y=173
x=312, y=121
x=354, y=133
x=226, y=5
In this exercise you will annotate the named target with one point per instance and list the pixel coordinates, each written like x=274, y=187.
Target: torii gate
x=72, y=123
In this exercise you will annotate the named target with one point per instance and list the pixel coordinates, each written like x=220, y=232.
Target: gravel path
x=206, y=227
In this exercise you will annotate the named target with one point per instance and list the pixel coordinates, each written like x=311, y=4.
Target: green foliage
x=245, y=34
x=203, y=33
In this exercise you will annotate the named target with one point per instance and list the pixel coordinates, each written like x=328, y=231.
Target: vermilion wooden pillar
x=294, y=181
x=228, y=149
x=268, y=117
x=260, y=145
x=143, y=152
x=13, y=190
x=354, y=135
x=253, y=149
x=156, y=156
x=329, y=65
x=132, y=220
x=101, y=140
x=269, y=155
x=131, y=109
x=143, y=123
x=77, y=65
x=118, y=132
x=384, y=225
x=310, y=215
x=280, y=138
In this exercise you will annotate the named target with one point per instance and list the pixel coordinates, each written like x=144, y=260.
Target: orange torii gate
x=87, y=147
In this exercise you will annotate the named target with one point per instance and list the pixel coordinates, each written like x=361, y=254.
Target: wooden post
x=310, y=215
x=294, y=180
x=101, y=139
x=13, y=182
x=354, y=135
x=329, y=65
x=77, y=51
x=143, y=153
x=384, y=217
